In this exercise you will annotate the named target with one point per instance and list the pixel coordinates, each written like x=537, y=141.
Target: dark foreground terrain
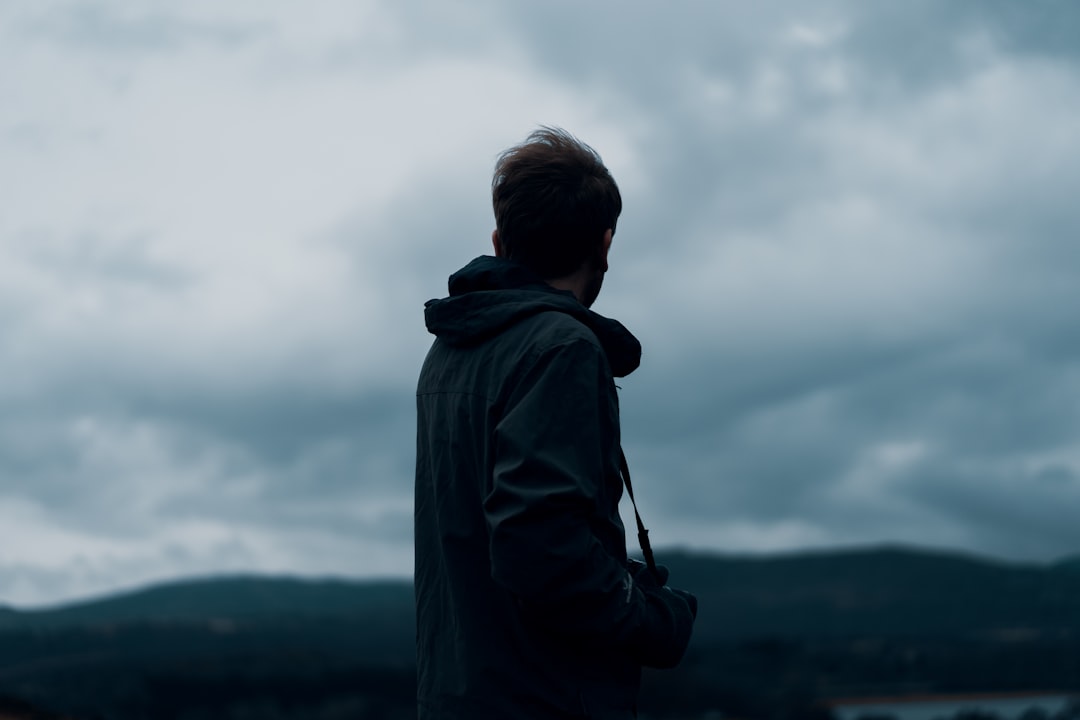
x=776, y=638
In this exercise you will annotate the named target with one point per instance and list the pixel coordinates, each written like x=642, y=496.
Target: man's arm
x=548, y=474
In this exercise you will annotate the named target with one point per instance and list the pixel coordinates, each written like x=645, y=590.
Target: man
x=527, y=606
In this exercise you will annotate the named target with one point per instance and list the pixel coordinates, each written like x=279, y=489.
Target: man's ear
x=605, y=246
x=497, y=244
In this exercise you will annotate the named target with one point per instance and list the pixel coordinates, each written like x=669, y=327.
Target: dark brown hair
x=553, y=200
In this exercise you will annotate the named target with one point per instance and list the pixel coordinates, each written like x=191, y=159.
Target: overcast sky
x=850, y=248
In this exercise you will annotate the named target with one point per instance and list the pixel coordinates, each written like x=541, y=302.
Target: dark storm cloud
x=293, y=444
x=847, y=246
x=127, y=442
x=780, y=422
x=990, y=433
x=923, y=42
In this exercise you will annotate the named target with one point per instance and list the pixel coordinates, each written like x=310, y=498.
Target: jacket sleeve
x=547, y=481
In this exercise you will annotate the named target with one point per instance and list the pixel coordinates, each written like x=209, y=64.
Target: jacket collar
x=490, y=294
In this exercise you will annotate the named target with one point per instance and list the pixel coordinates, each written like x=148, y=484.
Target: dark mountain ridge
x=772, y=631
x=239, y=598
x=887, y=589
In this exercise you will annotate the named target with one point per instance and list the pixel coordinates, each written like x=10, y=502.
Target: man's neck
x=584, y=284
x=570, y=283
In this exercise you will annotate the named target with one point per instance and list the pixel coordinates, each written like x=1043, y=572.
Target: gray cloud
x=114, y=28
x=847, y=248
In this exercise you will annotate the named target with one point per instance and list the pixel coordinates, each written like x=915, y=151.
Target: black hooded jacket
x=526, y=607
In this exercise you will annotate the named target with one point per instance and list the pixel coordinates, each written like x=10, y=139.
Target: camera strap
x=642, y=534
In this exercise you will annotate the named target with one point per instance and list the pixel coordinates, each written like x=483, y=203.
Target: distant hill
x=240, y=647
x=771, y=630
x=1069, y=564
x=249, y=598
x=886, y=590
x=883, y=591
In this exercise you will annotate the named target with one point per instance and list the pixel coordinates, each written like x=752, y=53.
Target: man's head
x=556, y=206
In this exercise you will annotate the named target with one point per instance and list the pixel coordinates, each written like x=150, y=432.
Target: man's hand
x=643, y=576
x=669, y=617
x=658, y=579
x=690, y=599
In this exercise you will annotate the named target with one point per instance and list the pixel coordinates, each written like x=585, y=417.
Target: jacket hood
x=490, y=294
